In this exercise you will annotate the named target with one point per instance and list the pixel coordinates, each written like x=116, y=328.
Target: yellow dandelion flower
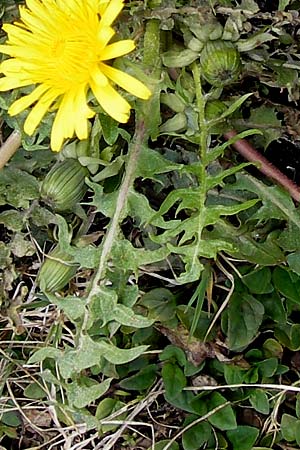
x=62, y=48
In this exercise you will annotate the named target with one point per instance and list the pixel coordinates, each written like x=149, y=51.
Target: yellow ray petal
x=125, y=81
x=83, y=112
x=11, y=66
x=111, y=12
x=8, y=83
x=57, y=134
x=64, y=122
x=112, y=102
x=16, y=33
x=34, y=23
x=117, y=49
x=102, y=6
x=38, y=111
x=6, y=49
x=99, y=78
x=66, y=111
x=27, y=100
x=104, y=35
x=36, y=7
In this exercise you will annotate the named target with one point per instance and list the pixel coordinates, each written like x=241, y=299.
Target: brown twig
x=267, y=168
x=9, y=147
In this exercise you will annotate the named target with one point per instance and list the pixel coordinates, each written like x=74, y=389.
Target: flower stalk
x=266, y=167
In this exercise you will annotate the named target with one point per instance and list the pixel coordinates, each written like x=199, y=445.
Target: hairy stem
x=267, y=168
x=204, y=134
x=113, y=228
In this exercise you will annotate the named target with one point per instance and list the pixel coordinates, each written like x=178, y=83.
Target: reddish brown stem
x=267, y=168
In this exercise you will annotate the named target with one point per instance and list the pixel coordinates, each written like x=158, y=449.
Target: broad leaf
x=245, y=316
x=224, y=419
x=196, y=436
x=243, y=437
x=104, y=306
x=259, y=401
x=286, y=285
x=89, y=353
x=85, y=391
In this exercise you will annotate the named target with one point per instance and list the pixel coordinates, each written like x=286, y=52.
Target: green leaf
x=104, y=306
x=174, y=379
x=190, y=245
x=233, y=374
x=162, y=444
x=295, y=336
x=17, y=187
x=105, y=408
x=11, y=419
x=151, y=163
x=141, y=380
x=34, y=390
x=245, y=315
x=10, y=432
x=220, y=176
x=85, y=391
x=174, y=382
x=110, y=128
x=274, y=196
x=183, y=401
x=224, y=419
x=235, y=105
x=110, y=170
x=285, y=284
x=161, y=304
x=259, y=281
x=267, y=116
x=127, y=257
x=199, y=295
x=174, y=58
x=289, y=425
x=219, y=150
x=89, y=353
x=298, y=405
x=196, y=436
x=283, y=4
x=289, y=238
x=174, y=354
x=274, y=308
x=259, y=401
x=255, y=40
x=43, y=353
x=245, y=247
x=243, y=437
x=293, y=260
x=87, y=256
x=74, y=307
x=41, y=217
x=117, y=355
x=271, y=347
x=12, y=219
x=268, y=367
x=20, y=246
x=139, y=208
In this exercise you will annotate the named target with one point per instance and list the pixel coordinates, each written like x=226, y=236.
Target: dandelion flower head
x=61, y=48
